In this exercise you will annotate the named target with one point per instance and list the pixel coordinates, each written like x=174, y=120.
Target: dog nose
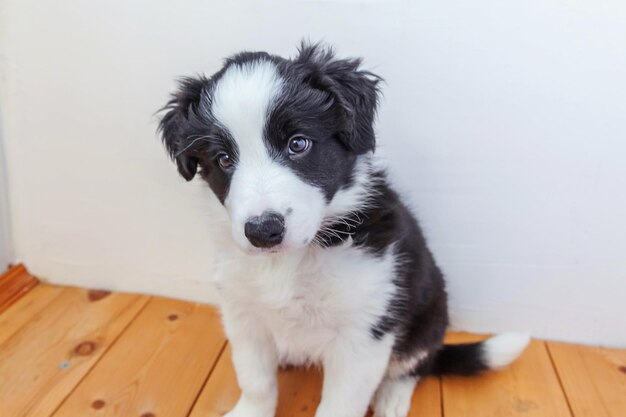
x=266, y=230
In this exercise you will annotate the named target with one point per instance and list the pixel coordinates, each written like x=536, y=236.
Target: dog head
x=281, y=142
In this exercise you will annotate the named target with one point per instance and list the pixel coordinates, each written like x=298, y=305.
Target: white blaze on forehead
x=242, y=100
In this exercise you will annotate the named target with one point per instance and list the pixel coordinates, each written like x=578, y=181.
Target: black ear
x=174, y=124
x=353, y=90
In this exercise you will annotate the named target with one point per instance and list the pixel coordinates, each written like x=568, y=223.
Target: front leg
x=352, y=372
x=255, y=360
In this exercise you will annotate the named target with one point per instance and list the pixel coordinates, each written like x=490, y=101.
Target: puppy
x=323, y=263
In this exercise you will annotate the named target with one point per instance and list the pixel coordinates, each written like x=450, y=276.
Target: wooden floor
x=69, y=352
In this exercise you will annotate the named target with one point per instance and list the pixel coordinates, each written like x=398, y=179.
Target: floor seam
x=558, y=377
x=206, y=380
x=440, y=378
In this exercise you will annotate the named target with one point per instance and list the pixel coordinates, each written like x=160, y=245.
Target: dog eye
x=298, y=145
x=224, y=160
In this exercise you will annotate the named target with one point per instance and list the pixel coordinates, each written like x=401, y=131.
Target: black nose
x=266, y=230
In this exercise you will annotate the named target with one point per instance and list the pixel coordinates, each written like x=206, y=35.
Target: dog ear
x=173, y=125
x=352, y=89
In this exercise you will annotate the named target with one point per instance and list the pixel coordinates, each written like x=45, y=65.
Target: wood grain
x=69, y=352
x=24, y=309
x=299, y=393
x=156, y=368
x=594, y=378
x=529, y=388
x=221, y=391
x=43, y=361
x=14, y=284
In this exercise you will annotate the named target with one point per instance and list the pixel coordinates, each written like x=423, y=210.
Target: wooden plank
x=156, y=368
x=221, y=391
x=529, y=388
x=43, y=361
x=16, y=316
x=14, y=284
x=299, y=393
x=427, y=399
x=594, y=378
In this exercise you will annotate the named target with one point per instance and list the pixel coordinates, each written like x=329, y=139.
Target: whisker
x=203, y=138
x=334, y=232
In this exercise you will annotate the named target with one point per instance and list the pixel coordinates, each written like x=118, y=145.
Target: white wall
x=6, y=243
x=504, y=123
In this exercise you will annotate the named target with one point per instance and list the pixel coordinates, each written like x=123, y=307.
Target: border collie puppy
x=322, y=262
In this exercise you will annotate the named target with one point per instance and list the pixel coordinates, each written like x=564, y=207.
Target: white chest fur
x=310, y=300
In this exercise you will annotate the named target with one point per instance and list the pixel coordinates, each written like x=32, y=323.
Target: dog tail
x=472, y=358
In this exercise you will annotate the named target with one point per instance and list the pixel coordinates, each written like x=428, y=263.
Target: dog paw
x=393, y=398
x=235, y=412
x=245, y=408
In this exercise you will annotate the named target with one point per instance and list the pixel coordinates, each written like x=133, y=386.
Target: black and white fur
x=351, y=284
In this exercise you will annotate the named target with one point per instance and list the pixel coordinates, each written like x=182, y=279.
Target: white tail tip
x=503, y=349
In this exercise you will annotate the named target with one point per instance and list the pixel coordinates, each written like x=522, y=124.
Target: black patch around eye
x=218, y=180
x=327, y=163
x=207, y=153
